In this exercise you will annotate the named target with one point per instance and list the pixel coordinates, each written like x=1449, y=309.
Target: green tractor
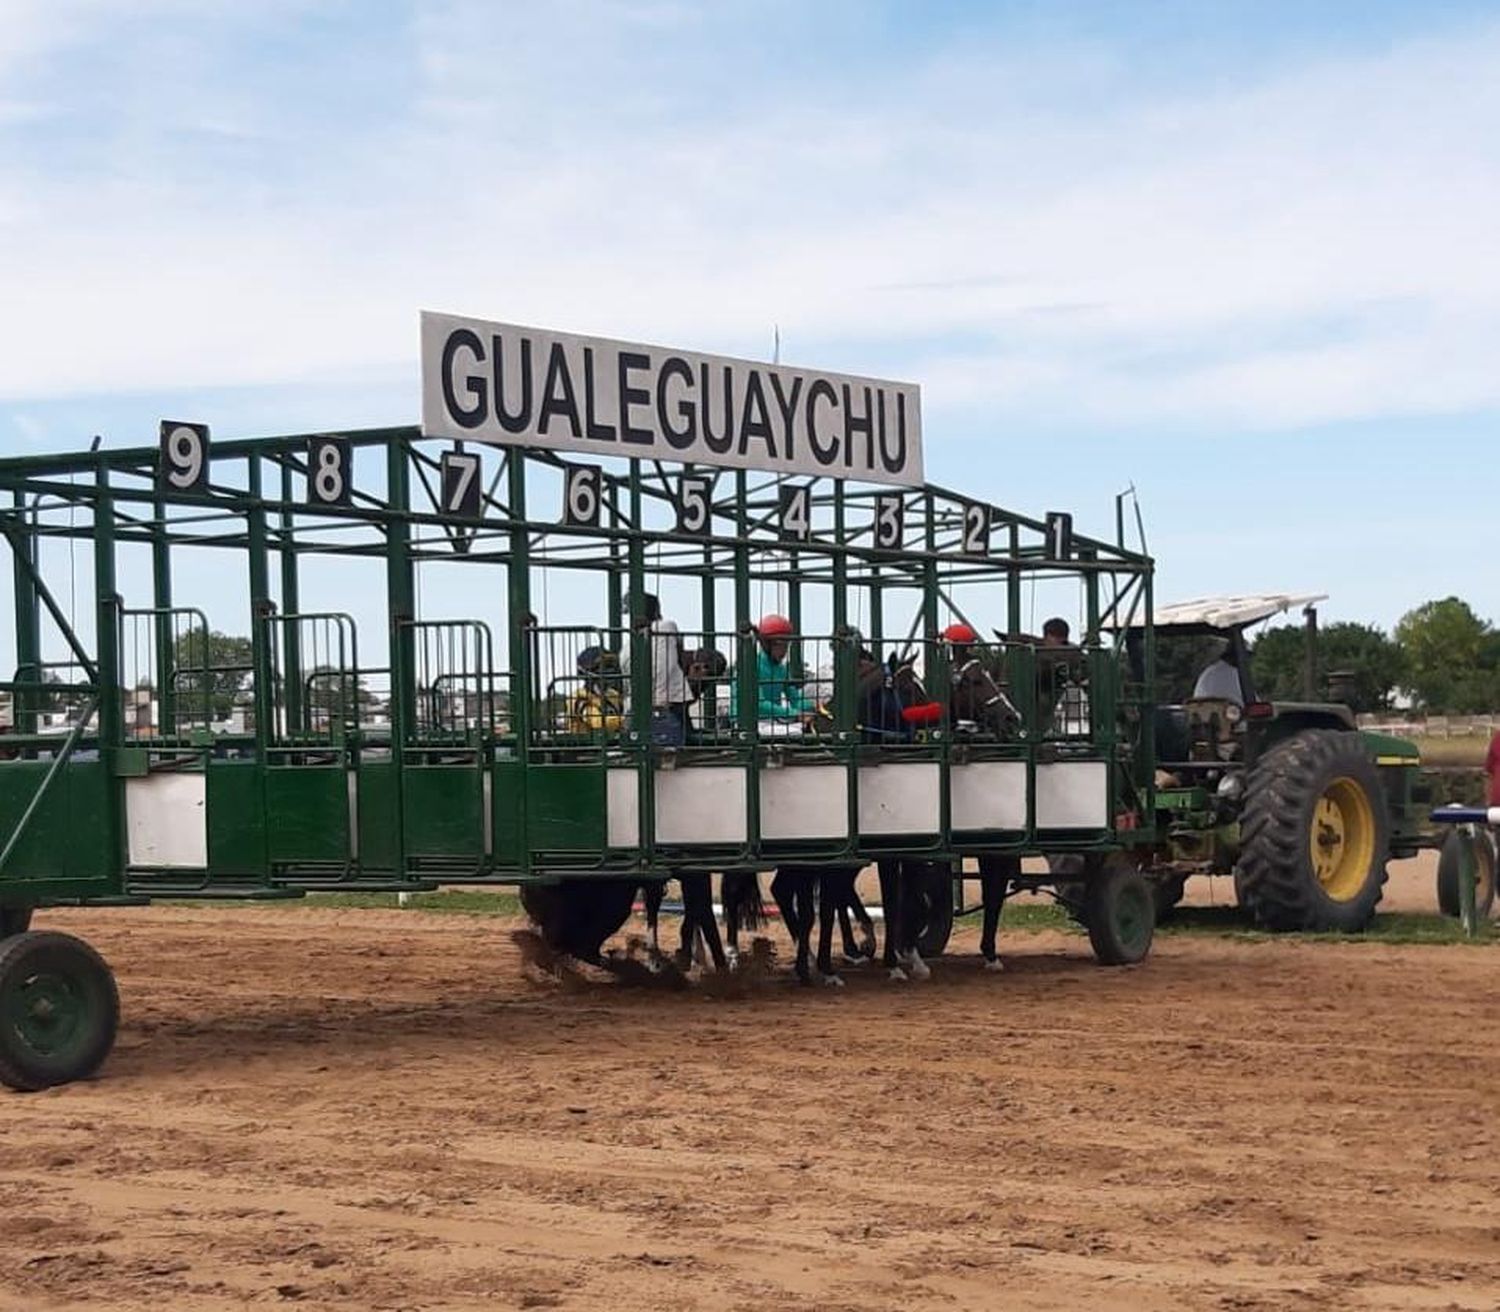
x=1292, y=799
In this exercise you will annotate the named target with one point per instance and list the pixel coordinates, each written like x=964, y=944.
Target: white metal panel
x=804, y=801
x=900, y=799
x=988, y=795
x=623, y=806
x=1072, y=795
x=702, y=804
x=165, y=821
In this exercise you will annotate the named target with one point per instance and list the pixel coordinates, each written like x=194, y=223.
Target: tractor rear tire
x=1314, y=835
x=14, y=920
x=1120, y=912
x=59, y=1010
x=1447, y=873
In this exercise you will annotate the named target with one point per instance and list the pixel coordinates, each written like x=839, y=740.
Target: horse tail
x=741, y=891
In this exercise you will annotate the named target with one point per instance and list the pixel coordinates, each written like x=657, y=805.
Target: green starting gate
x=466, y=696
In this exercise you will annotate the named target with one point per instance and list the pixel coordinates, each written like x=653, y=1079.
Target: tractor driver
x=1220, y=681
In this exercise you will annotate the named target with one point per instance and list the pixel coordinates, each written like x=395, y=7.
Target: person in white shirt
x=1221, y=680
x=670, y=693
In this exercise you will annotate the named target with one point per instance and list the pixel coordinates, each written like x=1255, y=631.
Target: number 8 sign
x=328, y=481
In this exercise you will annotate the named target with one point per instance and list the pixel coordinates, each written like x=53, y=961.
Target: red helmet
x=774, y=626
x=960, y=635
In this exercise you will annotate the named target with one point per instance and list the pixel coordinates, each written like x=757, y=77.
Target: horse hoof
x=918, y=967
x=732, y=958
x=832, y=982
x=995, y=964
x=898, y=975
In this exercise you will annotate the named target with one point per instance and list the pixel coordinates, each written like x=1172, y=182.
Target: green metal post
x=400, y=591
x=518, y=603
x=291, y=655
x=1468, y=875
x=28, y=616
x=261, y=607
x=166, y=654
x=1014, y=628
x=107, y=660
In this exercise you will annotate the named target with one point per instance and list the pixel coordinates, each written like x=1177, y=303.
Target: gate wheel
x=1120, y=912
x=58, y=1010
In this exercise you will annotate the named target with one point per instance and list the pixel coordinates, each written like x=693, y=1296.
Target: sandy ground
x=353, y=1109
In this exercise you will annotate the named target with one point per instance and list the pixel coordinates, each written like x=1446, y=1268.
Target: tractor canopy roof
x=1218, y=614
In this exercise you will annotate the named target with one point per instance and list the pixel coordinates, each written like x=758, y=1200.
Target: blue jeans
x=669, y=726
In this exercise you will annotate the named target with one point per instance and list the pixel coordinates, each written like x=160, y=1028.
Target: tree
x=218, y=664
x=1452, y=658
x=1277, y=662
x=1362, y=651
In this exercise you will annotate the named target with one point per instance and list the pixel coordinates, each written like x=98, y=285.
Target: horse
x=698, y=923
x=576, y=916
x=979, y=707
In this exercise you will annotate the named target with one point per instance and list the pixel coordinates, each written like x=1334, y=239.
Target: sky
x=1244, y=256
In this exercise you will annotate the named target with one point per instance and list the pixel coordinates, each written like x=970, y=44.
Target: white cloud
x=1318, y=246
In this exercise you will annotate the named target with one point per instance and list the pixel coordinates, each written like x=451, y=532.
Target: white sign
x=495, y=382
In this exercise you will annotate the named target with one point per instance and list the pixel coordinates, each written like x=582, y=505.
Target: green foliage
x=1452, y=657
x=1375, y=664
x=217, y=662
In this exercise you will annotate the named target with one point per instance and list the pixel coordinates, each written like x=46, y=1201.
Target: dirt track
x=375, y=1110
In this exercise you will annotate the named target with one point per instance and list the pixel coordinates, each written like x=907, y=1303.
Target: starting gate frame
x=474, y=781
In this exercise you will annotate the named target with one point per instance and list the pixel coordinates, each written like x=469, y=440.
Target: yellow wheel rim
x=1342, y=842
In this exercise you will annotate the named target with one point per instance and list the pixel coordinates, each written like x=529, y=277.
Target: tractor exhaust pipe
x=1310, y=655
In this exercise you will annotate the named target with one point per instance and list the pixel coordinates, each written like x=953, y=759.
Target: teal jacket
x=778, y=695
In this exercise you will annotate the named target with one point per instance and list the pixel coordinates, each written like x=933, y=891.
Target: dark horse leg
x=653, y=891
x=698, y=915
x=742, y=907
x=995, y=873
x=898, y=890
x=831, y=898
x=792, y=888
x=863, y=950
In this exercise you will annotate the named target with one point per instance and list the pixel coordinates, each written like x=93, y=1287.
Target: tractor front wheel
x=1314, y=834
x=1483, y=848
x=58, y=1010
x=1119, y=910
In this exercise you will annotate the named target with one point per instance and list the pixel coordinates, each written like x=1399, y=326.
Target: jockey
x=598, y=704
x=974, y=697
x=778, y=692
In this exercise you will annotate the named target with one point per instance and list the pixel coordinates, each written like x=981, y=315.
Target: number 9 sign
x=183, y=463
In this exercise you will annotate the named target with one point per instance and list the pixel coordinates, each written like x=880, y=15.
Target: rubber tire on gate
x=937, y=898
x=1119, y=912
x=1447, y=874
x=1276, y=880
x=14, y=920
x=68, y=968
